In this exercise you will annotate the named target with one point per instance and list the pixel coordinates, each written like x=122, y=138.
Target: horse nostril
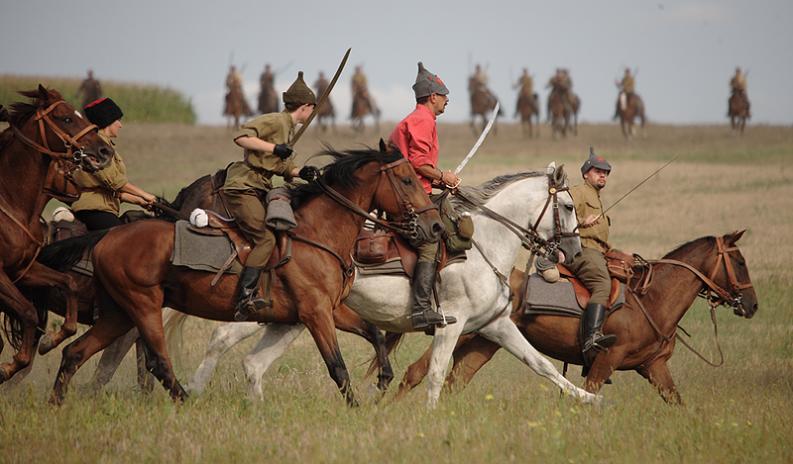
x=105, y=152
x=437, y=229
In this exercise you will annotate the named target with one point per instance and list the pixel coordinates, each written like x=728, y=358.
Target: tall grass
x=140, y=102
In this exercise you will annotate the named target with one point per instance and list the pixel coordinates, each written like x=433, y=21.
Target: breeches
x=97, y=220
x=249, y=212
x=427, y=252
x=590, y=268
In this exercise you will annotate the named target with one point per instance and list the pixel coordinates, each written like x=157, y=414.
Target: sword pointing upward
x=479, y=141
x=322, y=98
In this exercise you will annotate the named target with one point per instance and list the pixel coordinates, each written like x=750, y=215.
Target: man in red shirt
x=416, y=137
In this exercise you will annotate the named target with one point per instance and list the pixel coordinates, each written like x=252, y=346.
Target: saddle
x=385, y=252
x=620, y=266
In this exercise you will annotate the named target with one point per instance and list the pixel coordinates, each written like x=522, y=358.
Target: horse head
x=563, y=220
x=733, y=275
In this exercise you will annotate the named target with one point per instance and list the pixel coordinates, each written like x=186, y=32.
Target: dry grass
x=739, y=413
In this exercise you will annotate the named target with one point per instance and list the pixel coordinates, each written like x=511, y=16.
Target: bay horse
x=236, y=106
x=563, y=113
x=629, y=108
x=528, y=108
x=521, y=198
x=363, y=105
x=39, y=132
x=738, y=111
x=134, y=286
x=645, y=326
x=483, y=101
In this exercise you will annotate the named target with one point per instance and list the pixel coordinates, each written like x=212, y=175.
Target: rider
x=266, y=88
x=562, y=84
x=738, y=87
x=104, y=190
x=266, y=153
x=526, y=85
x=590, y=265
x=416, y=137
x=627, y=87
x=360, y=89
x=90, y=89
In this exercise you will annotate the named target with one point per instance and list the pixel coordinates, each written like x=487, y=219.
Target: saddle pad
x=393, y=266
x=201, y=252
x=558, y=298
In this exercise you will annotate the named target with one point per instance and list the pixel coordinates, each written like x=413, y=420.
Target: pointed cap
x=595, y=161
x=428, y=83
x=299, y=92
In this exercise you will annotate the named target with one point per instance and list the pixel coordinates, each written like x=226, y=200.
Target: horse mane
x=20, y=112
x=341, y=172
x=488, y=189
x=689, y=246
x=182, y=195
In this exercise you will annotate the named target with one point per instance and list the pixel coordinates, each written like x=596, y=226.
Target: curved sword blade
x=479, y=141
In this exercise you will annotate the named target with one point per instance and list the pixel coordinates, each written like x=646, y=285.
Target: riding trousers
x=590, y=268
x=249, y=212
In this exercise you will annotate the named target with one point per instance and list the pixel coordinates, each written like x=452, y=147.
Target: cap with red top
x=103, y=112
x=595, y=161
x=428, y=83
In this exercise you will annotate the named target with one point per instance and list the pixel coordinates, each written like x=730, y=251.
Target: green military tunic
x=628, y=84
x=248, y=179
x=101, y=189
x=590, y=265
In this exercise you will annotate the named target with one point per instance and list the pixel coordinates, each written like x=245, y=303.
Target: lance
x=322, y=98
x=485, y=131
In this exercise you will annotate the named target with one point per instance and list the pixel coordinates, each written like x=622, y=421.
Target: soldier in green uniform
x=626, y=86
x=590, y=265
x=104, y=190
x=265, y=140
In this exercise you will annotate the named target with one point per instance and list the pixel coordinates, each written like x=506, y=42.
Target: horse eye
x=569, y=208
x=407, y=181
x=67, y=120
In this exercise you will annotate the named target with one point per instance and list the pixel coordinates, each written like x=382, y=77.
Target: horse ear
x=560, y=176
x=382, y=146
x=3, y=114
x=43, y=93
x=735, y=236
x=551, y=168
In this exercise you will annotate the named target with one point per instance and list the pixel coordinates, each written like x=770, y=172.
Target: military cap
x=428, y=83
x=595, y=161
x=299, y=92
x=103, y=112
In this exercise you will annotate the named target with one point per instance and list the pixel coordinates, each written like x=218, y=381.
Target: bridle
x=63, y=172
x=74, y=151
x=407, y=225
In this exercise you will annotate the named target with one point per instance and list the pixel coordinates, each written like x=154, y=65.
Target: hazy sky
x=685, y=52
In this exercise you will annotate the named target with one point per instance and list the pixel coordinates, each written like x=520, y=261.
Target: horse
x=483, y=101
x=132, y=287
x=362, y=106
x=629, y=107
x=645, y=327
x=39, y=132
x=236, y=106
x=561, y=109
x=738, y=111
x=528, y=106
x=518, y=198
x=327, y=111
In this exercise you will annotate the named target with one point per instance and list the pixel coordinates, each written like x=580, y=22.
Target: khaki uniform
x=590, y=265
x=526, y=85
x=101, y=189
x=247, y=180
x=628, y=84
x=738, y=83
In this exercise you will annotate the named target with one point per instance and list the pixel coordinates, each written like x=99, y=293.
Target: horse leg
x=469, y=357
x=275, y=340
x=112, y=323
x=603, y=367
x=319, y=321
x=151, y=329
x=659, y=376
x=223, y=338
x=442, y=348
x=13, y=301
x=350, y=322
x=504, y=332
x=111, y=359
x=145, y=379
x=414, y=374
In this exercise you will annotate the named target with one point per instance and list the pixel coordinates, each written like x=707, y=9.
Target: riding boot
x=423, y=316
x=593, y=340
x=248, y=303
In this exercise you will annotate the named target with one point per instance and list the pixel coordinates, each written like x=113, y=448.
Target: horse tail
x=64, y=254
x=14, y=328
x=173, y=324
x=392, y=341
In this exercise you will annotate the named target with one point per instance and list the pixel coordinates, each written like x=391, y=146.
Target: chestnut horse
x=134, y=286
x=42, y=131
x=483, y=102
x=363, y=105
x=630, y=106
x=645, y=327
x=561, y=113
x=528, y=108
x=738, y=111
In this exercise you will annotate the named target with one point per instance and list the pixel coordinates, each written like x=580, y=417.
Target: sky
x=684, y=51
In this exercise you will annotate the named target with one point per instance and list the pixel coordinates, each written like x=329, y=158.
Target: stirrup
x=251, y=307
x=429, y=319
x=599, y=342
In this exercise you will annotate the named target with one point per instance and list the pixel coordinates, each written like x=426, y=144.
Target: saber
x=322, y=98
x=479, y=141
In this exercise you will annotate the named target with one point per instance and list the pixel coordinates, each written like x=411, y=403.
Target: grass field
x=742, y=412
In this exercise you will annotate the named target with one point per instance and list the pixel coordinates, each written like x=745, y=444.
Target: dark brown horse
x=134, y=286
x=528, y=108
x=645, y=327
x=563, y=112
x=483, y=102
x=738, y=110
x=363, y=105
x=45, y=130
x=630, y=107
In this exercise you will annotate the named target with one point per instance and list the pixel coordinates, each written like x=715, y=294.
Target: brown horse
x=563, y=112
x=645, y=327
x=629, y=107
x=528, y=107
x=363, y=105
x=483, y=101
x=738, y=111
x=134, y=286
x=236, y=106
x=47, y=129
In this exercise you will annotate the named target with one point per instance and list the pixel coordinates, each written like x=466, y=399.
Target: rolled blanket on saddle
x=279, y=210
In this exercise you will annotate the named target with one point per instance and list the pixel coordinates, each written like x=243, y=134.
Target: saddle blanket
x=558, y=298
x=202, y=252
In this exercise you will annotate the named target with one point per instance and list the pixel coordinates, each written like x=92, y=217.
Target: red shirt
x=416, y=137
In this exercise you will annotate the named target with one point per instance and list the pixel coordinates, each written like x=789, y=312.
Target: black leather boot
x=247, y=301
x=423, y=316
x=593, y=339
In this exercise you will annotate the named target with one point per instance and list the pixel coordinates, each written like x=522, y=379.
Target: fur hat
x=428, y=83
x=299, y=92
x=103, y=112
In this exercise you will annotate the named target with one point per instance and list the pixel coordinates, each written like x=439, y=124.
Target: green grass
x=139, y=102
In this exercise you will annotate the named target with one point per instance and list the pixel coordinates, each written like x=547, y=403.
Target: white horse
x=471, y=291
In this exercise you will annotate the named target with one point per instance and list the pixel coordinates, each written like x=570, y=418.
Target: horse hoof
x=46, y=344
